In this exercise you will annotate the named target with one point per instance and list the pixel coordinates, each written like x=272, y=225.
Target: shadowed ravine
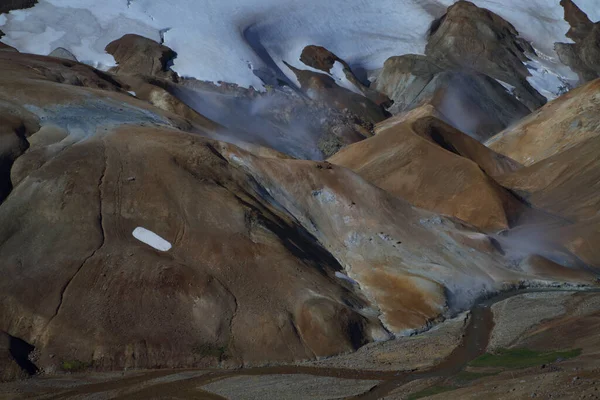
x=188, y=382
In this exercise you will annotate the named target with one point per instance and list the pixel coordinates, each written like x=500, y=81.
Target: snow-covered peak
x=225, y=40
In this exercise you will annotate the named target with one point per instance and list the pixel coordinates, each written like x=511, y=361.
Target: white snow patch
x=151, y=239
x=131, y=92
x=337, y=73
x=549, y=77
x=507, y=86
x=217, y=40
x=345, y=277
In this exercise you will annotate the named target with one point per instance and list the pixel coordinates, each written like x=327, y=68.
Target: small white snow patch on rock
x=337, y=72
x=151, y=239
x=345, y=277
x=132, y=93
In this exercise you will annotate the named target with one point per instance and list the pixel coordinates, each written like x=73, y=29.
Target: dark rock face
x=8, y=5
x=323, y=87
x=472, y=102
x=61, y=52
x=581, y=25
x=137, y=55
x=473, y=38
x=322, y=59
x=583, y=56
x=319, y=57
x=468, y=50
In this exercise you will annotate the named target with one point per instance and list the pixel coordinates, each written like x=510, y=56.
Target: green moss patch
x=469, y=376
x=521, y=358
x=430, y=391
x=74, y=366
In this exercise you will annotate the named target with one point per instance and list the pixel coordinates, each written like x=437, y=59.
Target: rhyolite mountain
x=278, y=255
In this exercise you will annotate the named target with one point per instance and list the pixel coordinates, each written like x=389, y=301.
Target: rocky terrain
x=327, y=236
x=582, y=55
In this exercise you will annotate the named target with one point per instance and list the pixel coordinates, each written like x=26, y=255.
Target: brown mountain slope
x=92, y=276
x=559, y=125
x=436, y=167
x=567, y=185
x=271, y=259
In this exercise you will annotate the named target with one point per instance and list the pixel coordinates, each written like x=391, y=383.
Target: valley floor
x=478, y=354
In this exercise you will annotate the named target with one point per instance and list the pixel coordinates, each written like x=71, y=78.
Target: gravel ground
x=289, y=387
x=514, y=316
x=405, y=353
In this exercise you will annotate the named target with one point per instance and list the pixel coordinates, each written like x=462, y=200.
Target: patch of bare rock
x=583, y=56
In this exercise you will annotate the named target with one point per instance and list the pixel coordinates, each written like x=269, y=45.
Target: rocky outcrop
x=61, y=52
x=419, y=159
x=556, y=127
x=137, y=55
x=319, y=57
x=468, y=49
x=8, y=5
x=472, y=102
x=580, y=24
x=322, y=59
x=473, y=38
x=583, y=56
x=404, y=78
x=322, y=87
